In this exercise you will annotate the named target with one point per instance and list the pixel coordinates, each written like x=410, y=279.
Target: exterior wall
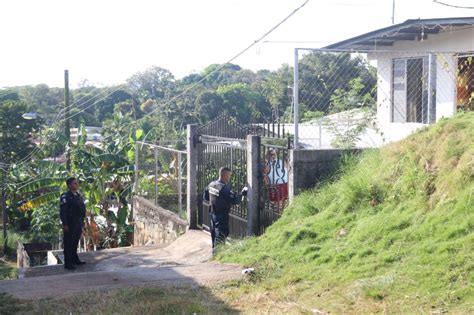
x=308, y=167
x=155, y=225
x=444, y=46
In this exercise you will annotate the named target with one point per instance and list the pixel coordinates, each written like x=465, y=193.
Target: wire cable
x=227, y=62
x=452, y=5
x=190, y=87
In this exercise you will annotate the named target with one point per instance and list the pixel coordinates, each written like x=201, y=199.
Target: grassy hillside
x=394, y=231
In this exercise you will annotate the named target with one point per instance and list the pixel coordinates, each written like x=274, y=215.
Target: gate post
x=253, y=184
x=292, y=177
x=191, y=188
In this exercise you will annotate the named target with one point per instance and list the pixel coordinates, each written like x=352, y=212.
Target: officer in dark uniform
x=72, y=213
x=221, y=197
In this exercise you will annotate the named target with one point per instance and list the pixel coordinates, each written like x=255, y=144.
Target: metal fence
x=160, y=176
x=350, y=98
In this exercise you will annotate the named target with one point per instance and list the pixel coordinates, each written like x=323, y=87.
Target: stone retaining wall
x=155, y=225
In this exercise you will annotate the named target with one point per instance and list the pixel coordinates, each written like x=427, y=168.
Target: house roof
x=409, y=30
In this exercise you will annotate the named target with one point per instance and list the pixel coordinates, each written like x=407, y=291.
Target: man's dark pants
x=219, y=225
x=71, y=241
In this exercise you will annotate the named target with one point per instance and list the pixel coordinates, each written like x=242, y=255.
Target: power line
x=295, y=42
x=30, y=156
x=90, y=99
x=58, y=123
x=452, y=5
x=233, y=58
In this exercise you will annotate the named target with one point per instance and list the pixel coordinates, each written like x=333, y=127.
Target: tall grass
x=395, y=229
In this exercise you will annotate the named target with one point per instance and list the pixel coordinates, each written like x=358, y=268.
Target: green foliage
x=347, y=127
x=238, y=100
x=308, y=115
x=353, y=109
x=43, y=100
x=11, y=305
x=396, y=224
x=154, y=83
x=45, y=223
x=356, y=96
x=325, y=76
x=15, y=132
x=137, y=300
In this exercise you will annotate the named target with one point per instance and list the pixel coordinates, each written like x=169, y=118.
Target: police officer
x=221, y=197
x=72, y=213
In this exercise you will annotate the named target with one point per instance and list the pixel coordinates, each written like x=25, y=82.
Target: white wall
x=445, y=46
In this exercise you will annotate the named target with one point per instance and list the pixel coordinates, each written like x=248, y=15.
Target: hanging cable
x=452, y=5
x=30, y=156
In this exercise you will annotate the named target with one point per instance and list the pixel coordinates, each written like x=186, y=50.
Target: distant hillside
x=394, y=232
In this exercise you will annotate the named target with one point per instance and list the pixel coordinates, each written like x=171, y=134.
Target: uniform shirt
x=220, y=196
x=72, y=208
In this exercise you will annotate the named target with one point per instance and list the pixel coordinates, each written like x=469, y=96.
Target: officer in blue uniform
x=72, y=213
x=220, y=196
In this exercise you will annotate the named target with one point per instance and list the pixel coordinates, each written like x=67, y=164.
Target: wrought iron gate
x=223, y=143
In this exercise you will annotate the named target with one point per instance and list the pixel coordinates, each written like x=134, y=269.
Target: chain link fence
x=354, y=98
x=160, y=176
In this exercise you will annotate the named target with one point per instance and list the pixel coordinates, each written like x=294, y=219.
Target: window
x=465, y=83
x=413, y=90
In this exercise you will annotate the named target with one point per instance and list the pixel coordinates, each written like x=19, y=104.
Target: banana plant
x=104, y=174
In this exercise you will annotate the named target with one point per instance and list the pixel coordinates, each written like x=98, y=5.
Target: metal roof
x=416, y=29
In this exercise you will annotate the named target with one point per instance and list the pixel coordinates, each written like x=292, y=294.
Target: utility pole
x=67, y=123
x=4, y=210
x=296, y=107
x=393, y=12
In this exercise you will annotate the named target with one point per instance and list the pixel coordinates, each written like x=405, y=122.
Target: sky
x=107, y=41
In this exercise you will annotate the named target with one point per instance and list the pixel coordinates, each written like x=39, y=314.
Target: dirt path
x=186, y=261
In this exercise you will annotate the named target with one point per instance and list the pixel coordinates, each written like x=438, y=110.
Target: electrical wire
x=58, y=123
x=452, y=5
x=30, y=156
x=229, y=61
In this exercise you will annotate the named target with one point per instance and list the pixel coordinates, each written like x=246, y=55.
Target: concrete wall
x=155, y=225
x=308, y=167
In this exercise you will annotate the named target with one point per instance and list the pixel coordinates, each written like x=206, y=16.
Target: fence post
x=292, y=179
x=180, y=185
x=155, y=155
x=253, y=184
x=191, y=189
x=135, y=183
x=296, y=102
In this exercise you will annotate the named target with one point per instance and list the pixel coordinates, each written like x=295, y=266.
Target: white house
x=425, y=71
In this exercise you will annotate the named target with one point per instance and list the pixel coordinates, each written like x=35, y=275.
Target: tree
x=239, y=101
x=321, y=74
x=42, y=99
x=209, y=104
x=16, y=133
x=153, y=83
x=216, y=77
x=105, y=107
x=356, y=109
x=105, y=176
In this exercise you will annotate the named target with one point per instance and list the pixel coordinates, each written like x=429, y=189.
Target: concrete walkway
x=185, y=261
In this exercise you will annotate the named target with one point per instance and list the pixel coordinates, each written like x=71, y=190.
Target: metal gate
x=222, y=143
